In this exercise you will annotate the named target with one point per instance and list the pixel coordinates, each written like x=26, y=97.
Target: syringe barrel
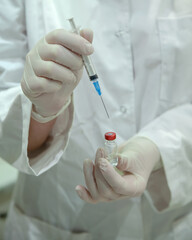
x=89, y=67
x=86, y=59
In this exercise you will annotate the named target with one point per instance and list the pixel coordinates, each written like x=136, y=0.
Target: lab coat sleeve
x=15, y=108
x=170, y=187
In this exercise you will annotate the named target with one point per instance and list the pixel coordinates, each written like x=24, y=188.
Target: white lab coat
x=143, y=57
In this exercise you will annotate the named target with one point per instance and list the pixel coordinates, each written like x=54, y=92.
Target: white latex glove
x=53, y=69
x=137, y=158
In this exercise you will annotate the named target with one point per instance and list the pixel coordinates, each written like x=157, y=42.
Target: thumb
x=87, y=33
x=135, y=164
x=130, y=162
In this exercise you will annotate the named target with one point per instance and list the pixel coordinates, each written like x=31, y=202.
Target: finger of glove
x=33, y=85
x=39, y=86
x=133, y=162
x=90, y=179
x=72, y=41
x=134, y=171
x=84, y=194
x=125, y=185
x=54, y=71
x=61, y=55
x=103, y=187
x=99, y=154
x=87, y=34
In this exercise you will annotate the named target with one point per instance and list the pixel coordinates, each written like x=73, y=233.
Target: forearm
x=38, y=133
x=172, y=132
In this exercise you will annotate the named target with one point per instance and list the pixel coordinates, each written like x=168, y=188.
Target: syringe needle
x=104, y=106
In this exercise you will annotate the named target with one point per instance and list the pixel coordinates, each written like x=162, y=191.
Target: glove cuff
x=36, y=116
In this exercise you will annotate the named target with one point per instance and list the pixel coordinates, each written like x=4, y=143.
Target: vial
x=110, y=148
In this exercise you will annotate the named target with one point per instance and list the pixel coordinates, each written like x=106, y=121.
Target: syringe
x=89, y=67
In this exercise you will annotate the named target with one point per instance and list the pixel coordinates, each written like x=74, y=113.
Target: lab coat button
x=123, y=109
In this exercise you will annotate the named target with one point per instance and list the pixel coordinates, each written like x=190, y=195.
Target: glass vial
x=110, y=148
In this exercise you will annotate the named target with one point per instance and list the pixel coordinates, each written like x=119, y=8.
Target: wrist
x=155, y=155
x=43, y=118
x=38, y=133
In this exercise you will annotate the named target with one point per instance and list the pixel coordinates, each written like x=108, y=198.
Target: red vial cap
x=110, y=136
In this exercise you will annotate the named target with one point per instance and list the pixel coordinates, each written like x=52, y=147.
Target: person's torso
x=142, y=51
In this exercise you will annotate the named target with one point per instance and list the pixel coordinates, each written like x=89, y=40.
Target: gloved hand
x=137, y=158
x=53, y=69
